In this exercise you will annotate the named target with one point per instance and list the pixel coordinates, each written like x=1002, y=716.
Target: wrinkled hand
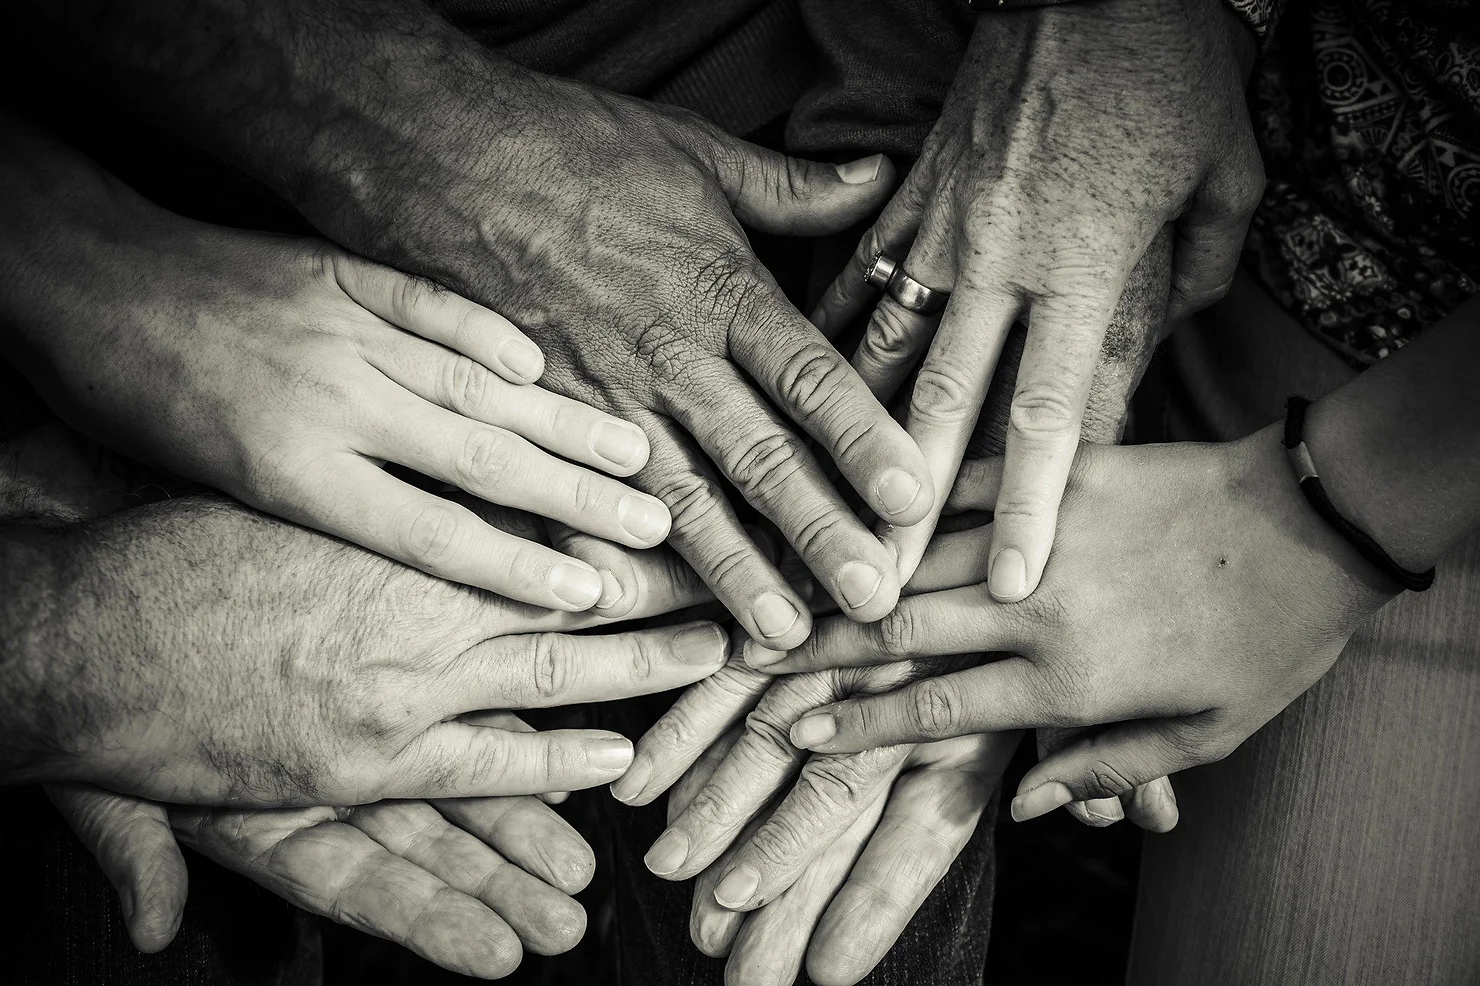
x=1071, y=137
x=1231, y=597
x=608, y=230
x=311, y=672
x=286, y=372
x=467, y=884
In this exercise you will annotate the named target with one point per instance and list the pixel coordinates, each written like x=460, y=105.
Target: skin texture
x=467, y=884
x=285, y=372
x=607, y=229
x=732, y=805
x=1071, y=137
x=348, y=695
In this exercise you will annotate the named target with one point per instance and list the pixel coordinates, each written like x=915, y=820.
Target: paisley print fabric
x=1368, y=114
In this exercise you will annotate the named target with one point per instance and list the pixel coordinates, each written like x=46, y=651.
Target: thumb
x=132, y=842
x=1116, y=762
x=776, y=193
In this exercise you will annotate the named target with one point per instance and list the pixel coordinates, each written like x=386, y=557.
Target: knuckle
x=934, y=708
x=1109, y=780
x=831, y=786
x=942, y=392
x=1043, y=412
x=692, y=499
x=432, y=536
x=812, y=381
x=466, y=386
x=899, y=633
x=890, y=335
x=766, y=464
x=487, y=456
x=712, y=806
x=549, y=665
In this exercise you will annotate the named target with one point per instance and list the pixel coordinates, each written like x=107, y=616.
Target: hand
x=609, y=230
x=1071, y=137
x=467, y=884
x=853, y=900
x=286, y=372
x=1231, y=597
x=310, y=672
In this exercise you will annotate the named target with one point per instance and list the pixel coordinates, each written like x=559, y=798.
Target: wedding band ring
x=887, y=274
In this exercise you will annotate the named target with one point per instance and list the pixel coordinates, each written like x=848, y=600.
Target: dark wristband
x=1310, y=485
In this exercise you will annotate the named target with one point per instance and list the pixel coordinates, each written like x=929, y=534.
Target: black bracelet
x=1310, y=485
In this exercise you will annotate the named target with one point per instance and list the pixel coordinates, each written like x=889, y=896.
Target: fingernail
x=611, y=590
x=714, y=930
x=611, y=753
x=897, y=490
x=644, y=517
x=630, y=785
x=522, y=357
x=668, y=853
x=813, y=730
x=701, y=646
x=858, y=583
x=1104, y=809
x=127, y=902
x=774, y=614
x=738, y=886
x=619, y=444
x=1040, y=801
x=760, y=657
x=1008, y=580
x=862, y=171
x=576, y=584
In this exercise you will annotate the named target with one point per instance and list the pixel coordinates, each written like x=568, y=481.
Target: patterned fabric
x=1368, y=114
x=1261, y=15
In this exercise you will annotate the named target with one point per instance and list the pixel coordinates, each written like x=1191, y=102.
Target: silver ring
x=887, y=274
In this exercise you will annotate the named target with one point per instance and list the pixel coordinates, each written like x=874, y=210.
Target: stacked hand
x=1072, y=135
x=608, y=230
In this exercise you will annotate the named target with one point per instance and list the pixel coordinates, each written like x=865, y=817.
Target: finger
x=896, y=336
x=353, y=499
x=1100, y=812
x=954, y=560
x=1154, y=806
x=712, y=928
x=1006, y=694
x=813, y=385
x=633, y=584
x=977, y=484
x=507, y=720
x=546, y=920
x=755, y=770
x=1043, y=424
x=457, y=760
x=850, y=294
x=500, y=467
x=529, y=835
x=778, y=475
x=551, y=421
x=433, y=312
x=929, y=817
x=703, y=713
x=536, y=671
x=948, y=395
x=1210, y=235
x=337, y=871
x=772, y=943
x=933, y=624
x=830, y=794
x=792, y=196
x=1115, y=761
x=131, y=840
x=711, y=538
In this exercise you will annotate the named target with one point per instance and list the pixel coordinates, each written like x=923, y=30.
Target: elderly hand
x=1071, y=136
x=1230, y=597
x=467, y=884
x=309, y=672
x=609, y=231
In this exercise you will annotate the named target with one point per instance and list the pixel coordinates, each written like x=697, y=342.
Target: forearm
x=1398, y=448
x=310, y=98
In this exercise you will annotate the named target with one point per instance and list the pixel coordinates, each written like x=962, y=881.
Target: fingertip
x=576, y=585
x=1040, y=800
x=778, y=621
x=904, y=497
x=520, y=360
x=1007, y=576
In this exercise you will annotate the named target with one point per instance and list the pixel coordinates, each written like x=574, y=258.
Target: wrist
x=1301, y=555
